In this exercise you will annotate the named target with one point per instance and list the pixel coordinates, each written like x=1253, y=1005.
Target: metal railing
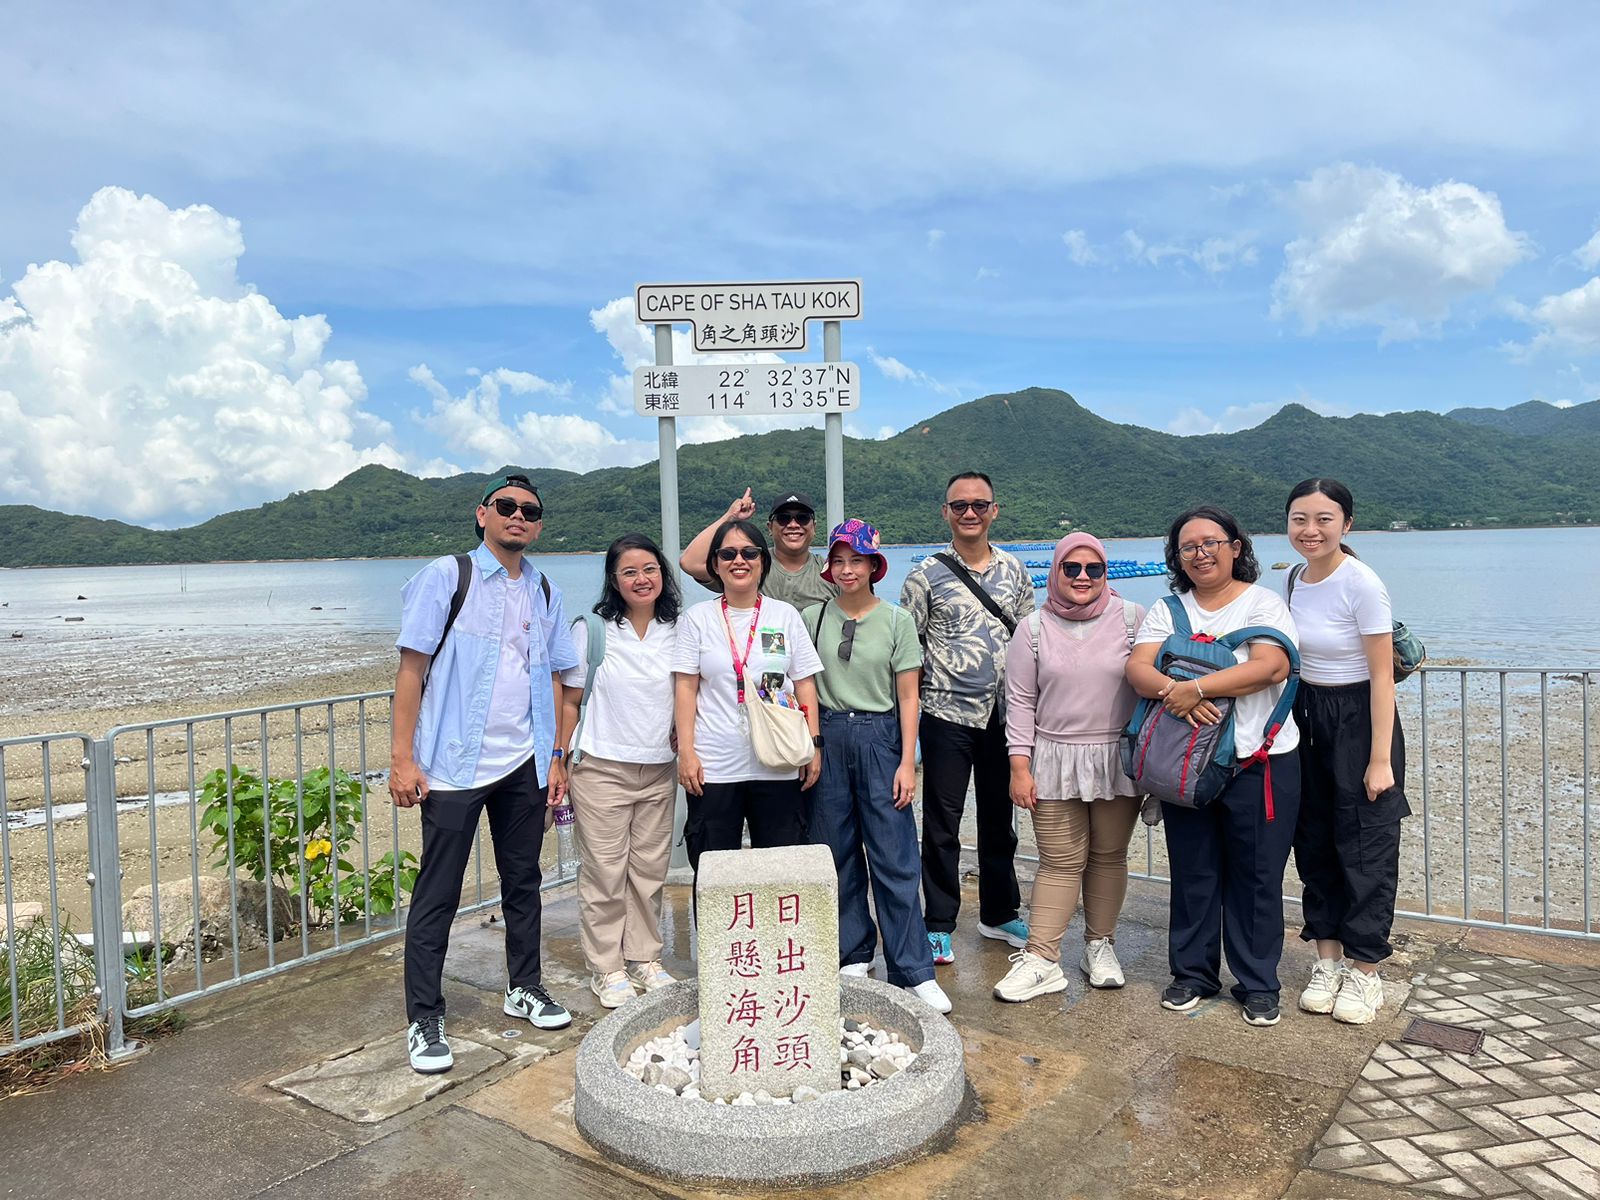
x=1500, y=779
x=198, y=854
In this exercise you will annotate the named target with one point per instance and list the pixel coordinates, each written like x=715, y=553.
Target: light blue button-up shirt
x=455, y=704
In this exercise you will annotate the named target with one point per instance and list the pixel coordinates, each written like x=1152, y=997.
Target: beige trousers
x=623, y=814
x=1083, y=847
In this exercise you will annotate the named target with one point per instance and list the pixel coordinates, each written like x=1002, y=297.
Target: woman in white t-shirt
x=727, y=648
x=622, y=779
x=1347, y=846
x=1227, y=859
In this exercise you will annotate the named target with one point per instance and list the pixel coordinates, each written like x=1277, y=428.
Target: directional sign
x=746, y=390
x=743, y=317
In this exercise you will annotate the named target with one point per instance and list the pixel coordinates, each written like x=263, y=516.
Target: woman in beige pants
x=624, y=774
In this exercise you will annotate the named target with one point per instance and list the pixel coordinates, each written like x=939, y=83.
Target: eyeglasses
x=630, y=574
x=793, y=516
x=959, y=507
x=847, y=639
x=530, y=512
x=729, y=553
x=1210, y=546
x=1093, y=570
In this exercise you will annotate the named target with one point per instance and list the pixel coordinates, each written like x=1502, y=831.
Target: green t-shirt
x=801, y=588
x=885, y=645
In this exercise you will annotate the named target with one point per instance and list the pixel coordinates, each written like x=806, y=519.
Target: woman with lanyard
x=622, y=781
x=868, y=687
x=727, y=649
x=1227, y=859
x=1353, y=760
x=1067, y=700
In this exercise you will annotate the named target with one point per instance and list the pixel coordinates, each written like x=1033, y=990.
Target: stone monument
x=768, y=945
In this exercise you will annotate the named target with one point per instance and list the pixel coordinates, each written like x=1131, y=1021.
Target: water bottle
x=567, y=863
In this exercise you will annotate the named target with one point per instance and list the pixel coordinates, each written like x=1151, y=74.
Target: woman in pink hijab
x=1067, y=701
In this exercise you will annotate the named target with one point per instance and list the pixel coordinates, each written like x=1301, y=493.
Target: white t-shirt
x=508, y=728
x=1254, y=606
x=629, y=717
x=1333, y=615
x=781, y=653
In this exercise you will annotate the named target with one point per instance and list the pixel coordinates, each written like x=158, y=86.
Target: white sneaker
x=426, y=1045
x=650, y=975
x=1360, y=997
x=1029, y=976
x=613, y=988
x=856, y=970
x=1100, y=964
x=1317, y=997
x=931, y=994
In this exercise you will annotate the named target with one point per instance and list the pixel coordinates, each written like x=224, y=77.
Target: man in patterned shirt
x=963, y=728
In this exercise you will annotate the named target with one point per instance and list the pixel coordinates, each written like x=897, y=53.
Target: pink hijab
x=1056, y=587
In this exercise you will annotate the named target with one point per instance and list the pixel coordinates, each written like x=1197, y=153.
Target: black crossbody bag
x=958, y=568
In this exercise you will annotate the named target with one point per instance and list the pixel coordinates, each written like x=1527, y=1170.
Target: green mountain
x=1535, y=419
x=1055, y=465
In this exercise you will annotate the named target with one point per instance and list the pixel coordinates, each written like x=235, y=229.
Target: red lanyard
x=738, y=663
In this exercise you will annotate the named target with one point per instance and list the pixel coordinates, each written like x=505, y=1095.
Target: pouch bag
x=779, y=736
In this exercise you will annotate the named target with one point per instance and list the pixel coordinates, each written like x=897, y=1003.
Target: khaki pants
x=1083, y=849
x=623, y=813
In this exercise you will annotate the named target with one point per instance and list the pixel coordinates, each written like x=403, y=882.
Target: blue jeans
x=853, y=809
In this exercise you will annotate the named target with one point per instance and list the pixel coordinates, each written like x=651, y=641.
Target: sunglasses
x=847, y=639
x=793, y=516
x=729, y=553
x=1093, y=570
x=530, y=512
x=959, y=507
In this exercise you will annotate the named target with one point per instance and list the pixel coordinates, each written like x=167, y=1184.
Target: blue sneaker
x=943, y=951
x=1014, y=932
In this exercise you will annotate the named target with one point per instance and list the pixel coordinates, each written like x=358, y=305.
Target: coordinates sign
x=746, y=317
x=748, y=389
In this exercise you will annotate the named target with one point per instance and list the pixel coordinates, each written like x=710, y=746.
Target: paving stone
x=1438, y=1115
x=1538, y=1107
x=1547, y=1126
x=1447, y=1185
x=1581, y=1147
x=1447, y=1140
x=1547, y=1186
x=1518, y=1153
x=374, y=1082
x=1338, y=1158
x=1374, y=1131
x=1409, y=1159
x=1480, y=1174
x=1582, y=1176
x=1584, y=1122
x=1383, y=1172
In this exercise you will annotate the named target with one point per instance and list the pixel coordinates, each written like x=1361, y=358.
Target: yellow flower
x=315, y=849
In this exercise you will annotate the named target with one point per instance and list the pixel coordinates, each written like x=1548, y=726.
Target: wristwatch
x=558, y=752
x=816, y=740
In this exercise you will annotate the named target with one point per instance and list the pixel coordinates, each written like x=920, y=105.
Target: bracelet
x=1198, y=690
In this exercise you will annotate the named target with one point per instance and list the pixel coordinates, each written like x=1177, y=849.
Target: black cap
x=792, y=500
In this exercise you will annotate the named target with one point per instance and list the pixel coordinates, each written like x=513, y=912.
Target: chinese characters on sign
x=748, y=389
x=748, y=316
x=769, y=983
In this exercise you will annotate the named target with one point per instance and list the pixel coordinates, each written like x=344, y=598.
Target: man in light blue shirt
x=475, y=704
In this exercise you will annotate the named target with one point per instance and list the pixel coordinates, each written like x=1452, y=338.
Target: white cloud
x=987, y=273
x=893, y=369
x=1568, y=321
x=855, y=430
x=1377, y=250
x=1588, y=254
x=1214, y=255
x=935, y=238
x=1078, y=248
x=145, y=381
x=1234, y=417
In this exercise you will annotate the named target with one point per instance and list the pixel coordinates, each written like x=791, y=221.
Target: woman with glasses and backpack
x=1067, y=700
x=1353, y=757
x=1228, y=857
x=616, y=726
x=733, y=652
x=868, y=689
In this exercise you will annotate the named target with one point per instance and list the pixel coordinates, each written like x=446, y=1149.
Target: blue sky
x=246, y=248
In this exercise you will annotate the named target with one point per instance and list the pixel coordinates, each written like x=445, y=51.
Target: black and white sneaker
x=430, y=1053
x=1261, y=1008
x=535, y=1004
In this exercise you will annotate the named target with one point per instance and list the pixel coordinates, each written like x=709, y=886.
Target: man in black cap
x=796, y=574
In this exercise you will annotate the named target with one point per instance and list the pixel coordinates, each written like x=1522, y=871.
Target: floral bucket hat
x=863, y=539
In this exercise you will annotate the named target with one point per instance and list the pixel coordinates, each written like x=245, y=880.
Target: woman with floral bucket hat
x=861, y=807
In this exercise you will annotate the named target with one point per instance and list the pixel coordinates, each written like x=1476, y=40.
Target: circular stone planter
x=843, y=1135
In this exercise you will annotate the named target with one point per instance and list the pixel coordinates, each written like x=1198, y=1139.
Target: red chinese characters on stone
x=744, y=909
x=746, y=1055
x=790, y=1004
x=791, y=957
x=793, y=1051
x=744, y=960
x=745, y=1009
x=789, y=910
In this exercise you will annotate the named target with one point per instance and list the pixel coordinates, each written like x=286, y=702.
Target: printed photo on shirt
x=773, y=643
x=772, y=681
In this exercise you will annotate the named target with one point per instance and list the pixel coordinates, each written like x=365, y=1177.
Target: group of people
x=497, y=702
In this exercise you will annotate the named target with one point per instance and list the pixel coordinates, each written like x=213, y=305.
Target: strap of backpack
x=1033, y=632
x=1280, y=710
x=595, y=647
x=1129, y=612
x=816, y=630
x=1288, y=590
x=959, y=570
x=463, y=583
x=1180, y=617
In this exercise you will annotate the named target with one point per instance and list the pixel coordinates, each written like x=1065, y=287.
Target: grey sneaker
x=650, y=975
x=430, y=1053
x=1100, y=964
x=535, y=1004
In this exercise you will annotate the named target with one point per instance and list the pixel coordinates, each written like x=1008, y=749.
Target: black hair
x=757, y=539
x=959, y=475
x=1245, y=567
x=1333, y=490
x=611, y=606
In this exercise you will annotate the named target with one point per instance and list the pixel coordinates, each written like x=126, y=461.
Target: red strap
x=739, y=663
x=1260, y=756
